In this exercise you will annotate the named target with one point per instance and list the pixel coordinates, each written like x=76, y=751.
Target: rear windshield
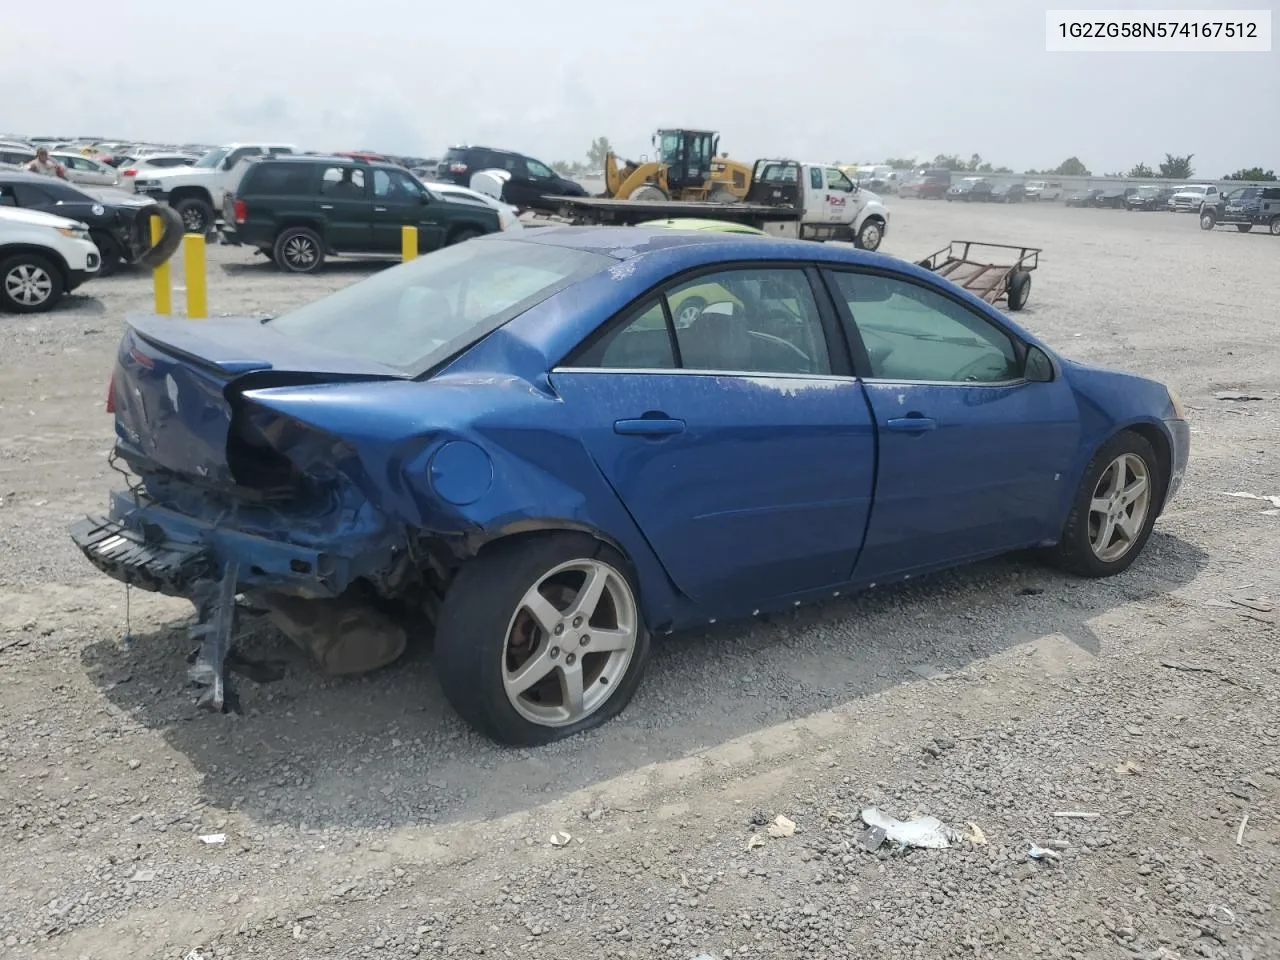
x=414, y=316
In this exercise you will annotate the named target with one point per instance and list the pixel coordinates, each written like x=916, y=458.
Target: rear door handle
x=326, y=206
x=648, y=427
x=379, y=209
x=912, y=424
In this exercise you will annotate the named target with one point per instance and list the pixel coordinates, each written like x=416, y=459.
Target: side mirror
x=424, y=198
x=1038, y=368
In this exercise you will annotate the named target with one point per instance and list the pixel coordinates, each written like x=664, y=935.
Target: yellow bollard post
x=160, y=275
x=193, y=266
x=408, y=243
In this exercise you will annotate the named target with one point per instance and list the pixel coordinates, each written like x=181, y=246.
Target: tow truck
x=786, y=198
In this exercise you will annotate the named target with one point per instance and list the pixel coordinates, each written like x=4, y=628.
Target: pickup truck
x=785, y=198
x=1244, y=208
x=197, y=191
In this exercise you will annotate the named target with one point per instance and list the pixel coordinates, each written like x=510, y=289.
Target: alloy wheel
x=1118, y=509
x=28, y=284
x=300, y=252
x=569, y=643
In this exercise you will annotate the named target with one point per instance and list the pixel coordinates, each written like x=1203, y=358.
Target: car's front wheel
x=1114, y=508
x=870, y=234
x=541, y=638
x=29, y=283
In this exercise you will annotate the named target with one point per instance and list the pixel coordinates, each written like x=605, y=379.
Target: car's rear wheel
x=1114, y=508
x=1275, y=226
x=541, y=638
x=29, y=283
x=298, y=250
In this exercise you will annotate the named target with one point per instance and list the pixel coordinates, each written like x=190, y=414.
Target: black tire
x=1074, y=552
x=1019, y=289
x=471, y=634
x=170, y=235
x=1244, y=227
x=870, y=234
x=1207, y=220
x=109, y=250
x=197, y=215
x=463, y=235
x=1275, y=226
x=298, y=250
x=18, y=274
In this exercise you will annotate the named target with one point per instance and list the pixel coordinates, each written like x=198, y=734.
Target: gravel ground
x=362, y=819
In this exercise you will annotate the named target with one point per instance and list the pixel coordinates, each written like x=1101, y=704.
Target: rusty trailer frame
x=978, y=268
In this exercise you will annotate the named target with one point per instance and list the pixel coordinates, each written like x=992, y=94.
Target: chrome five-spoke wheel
x=1118, y=510
x=540, y=637
x=569, y=643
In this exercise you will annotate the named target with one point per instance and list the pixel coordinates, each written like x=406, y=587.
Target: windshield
x=212, y=158
x=416, y=315
x=1148, y=191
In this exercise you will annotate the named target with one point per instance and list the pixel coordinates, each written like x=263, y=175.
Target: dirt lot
x=362, y=819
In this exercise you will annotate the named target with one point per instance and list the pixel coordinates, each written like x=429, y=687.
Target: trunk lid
x=177, y=388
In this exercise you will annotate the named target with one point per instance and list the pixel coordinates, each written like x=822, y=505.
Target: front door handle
x=326, y=206
x=648, y=427
x=915, y=424
x=379, y=209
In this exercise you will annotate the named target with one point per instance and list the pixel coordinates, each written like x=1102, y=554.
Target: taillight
x=241, y=211
x=111, y=394
x=457, y=168
x=131, y=172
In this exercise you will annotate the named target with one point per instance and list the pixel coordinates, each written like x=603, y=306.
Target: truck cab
x=832, y=206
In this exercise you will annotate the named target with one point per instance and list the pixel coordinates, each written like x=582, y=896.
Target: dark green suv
x=298, y=209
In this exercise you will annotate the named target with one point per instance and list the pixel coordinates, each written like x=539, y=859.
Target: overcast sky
x=837, y=81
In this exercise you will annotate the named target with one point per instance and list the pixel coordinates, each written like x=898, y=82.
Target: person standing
x=46, y=166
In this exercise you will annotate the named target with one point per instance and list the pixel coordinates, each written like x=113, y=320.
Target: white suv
x=41, y=258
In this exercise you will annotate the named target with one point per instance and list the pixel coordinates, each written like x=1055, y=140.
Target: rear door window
x=280, y=180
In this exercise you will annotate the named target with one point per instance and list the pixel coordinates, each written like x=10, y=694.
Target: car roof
x=622, y=243
x=326, y=158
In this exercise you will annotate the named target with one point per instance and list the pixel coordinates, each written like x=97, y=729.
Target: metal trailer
x=599, y=210
x=966, y=263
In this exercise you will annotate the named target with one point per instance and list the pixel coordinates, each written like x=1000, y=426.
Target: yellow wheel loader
x=686, y=168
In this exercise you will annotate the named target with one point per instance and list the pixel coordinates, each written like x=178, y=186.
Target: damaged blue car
x=538, y=449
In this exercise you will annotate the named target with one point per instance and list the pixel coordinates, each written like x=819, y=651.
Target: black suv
x=297, y=209
x=531, y=180
x=119, y=223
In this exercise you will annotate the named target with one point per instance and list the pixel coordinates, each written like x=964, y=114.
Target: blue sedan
x=517, y=447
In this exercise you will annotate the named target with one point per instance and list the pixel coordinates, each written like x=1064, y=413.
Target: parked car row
x=982, y=190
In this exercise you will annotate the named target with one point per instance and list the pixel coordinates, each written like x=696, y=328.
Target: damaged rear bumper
x=143, y=544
